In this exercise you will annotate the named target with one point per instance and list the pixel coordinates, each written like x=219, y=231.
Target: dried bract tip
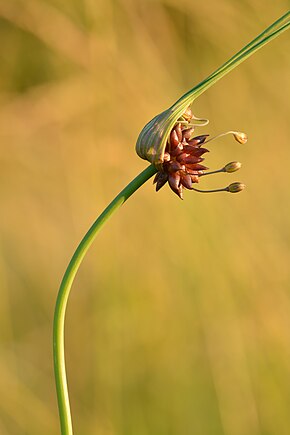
x=240, y=137
x=232, y=167
x=187, y=115
x=235, y=187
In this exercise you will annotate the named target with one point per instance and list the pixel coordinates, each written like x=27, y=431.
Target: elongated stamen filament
x=235, y=187
x=203, y=121
x=217, y=171
x=228, y=168
x=225, y=189
x=240, y=137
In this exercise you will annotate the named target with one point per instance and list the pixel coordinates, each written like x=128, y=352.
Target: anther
x=232, y=167
x=240, y=137
x=236, y=187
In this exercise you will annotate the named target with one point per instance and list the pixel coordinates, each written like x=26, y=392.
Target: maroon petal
x=175, y=166
x=198, y=140
x=181, y=157
x=196, y=167
x=189, y=149
x=201, y=151
x=186, y=134
x=178, y=150
x=174, y=141
x=186, y=181
x=196, y=151
x=174, y=183
x=161, y=180
x=159, y=175
x=192, y=159
x=160, y=183
x=156, y=177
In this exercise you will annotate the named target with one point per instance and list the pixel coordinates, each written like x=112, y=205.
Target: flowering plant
x=175, y=157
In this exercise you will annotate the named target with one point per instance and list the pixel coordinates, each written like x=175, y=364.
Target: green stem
x=154, y=135
x=64, y=291
x=169, y=120
x=274, y=30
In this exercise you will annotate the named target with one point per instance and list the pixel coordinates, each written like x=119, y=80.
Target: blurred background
x=178, y=322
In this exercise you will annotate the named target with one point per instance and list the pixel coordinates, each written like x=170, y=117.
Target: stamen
x=232, y=188
x=239, y=136
x=229, y=168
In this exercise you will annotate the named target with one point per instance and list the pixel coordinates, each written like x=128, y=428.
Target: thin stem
x=219, y=135
x=64, y=291
x=169, y=117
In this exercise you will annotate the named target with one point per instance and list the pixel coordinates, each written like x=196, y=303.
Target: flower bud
x=152, y=140
x=235, y=187
x=232, y=167
x=240, y=137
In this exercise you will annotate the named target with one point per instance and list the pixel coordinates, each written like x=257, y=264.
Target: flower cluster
x=182, y=158
x=182, y=166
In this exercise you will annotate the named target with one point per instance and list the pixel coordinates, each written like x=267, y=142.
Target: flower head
x=182, y=158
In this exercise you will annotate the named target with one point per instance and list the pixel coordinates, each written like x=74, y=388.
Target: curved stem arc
x=64, y=291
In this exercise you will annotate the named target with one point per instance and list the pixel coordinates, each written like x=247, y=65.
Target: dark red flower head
x=182, y=160
x=181, y=166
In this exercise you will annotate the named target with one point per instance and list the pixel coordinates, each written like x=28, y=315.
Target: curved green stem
x=64, y=291
x=274, y=30
x=152, y=139
x=168, y=119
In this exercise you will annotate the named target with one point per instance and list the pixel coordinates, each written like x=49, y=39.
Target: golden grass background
x=178, y=322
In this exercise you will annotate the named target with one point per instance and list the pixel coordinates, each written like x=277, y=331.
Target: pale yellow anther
x=232, y=167
x=240, y=137
x=236, y=187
